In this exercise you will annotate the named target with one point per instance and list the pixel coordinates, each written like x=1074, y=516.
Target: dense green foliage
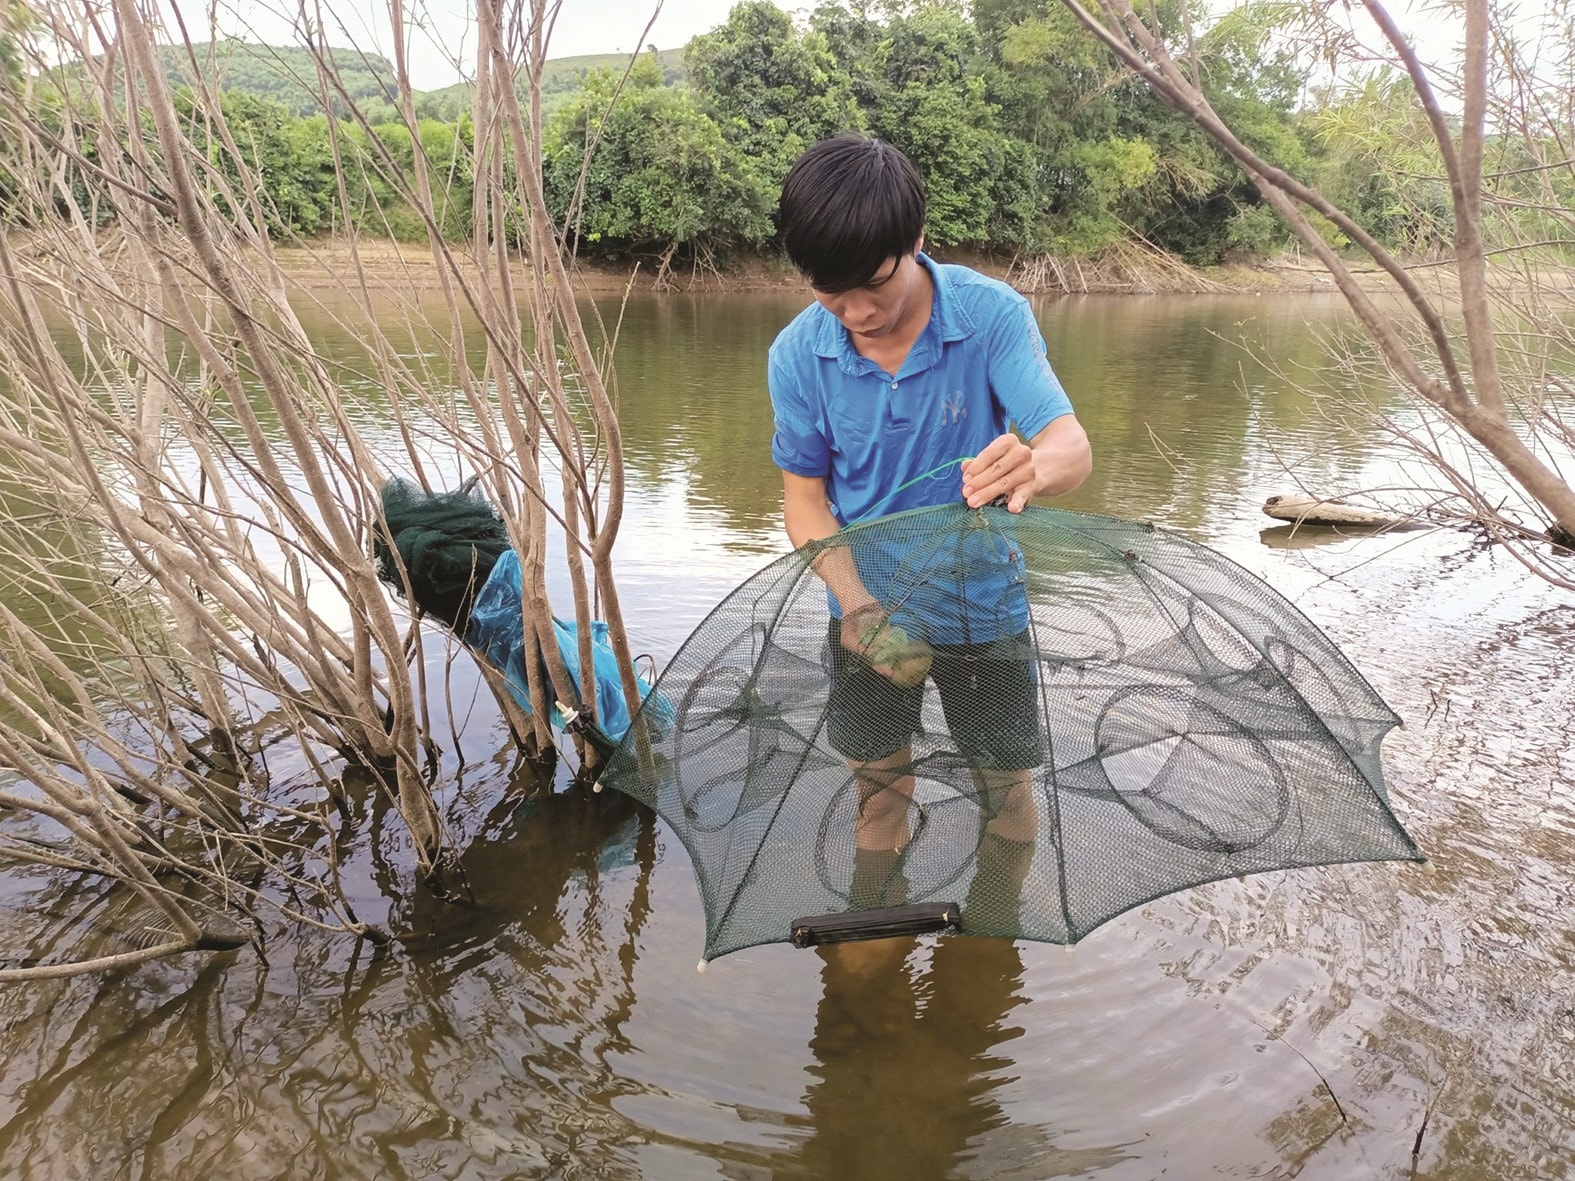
x=291, y=154
x=12, y=17
x=662, y=174
x=1029, y=135
x=1032, y=139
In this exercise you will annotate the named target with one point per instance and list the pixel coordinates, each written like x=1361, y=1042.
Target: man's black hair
x=848, y=204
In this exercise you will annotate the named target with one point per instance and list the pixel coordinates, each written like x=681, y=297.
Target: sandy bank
x=333, y=262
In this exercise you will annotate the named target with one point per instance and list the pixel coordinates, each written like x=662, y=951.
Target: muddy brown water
x=1360, y=1021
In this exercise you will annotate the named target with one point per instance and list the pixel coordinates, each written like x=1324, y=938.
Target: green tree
x=1111, y=159
x=447, y=149
x=1063, y=97
x=13, y=20
x=919, y=80
x=287, y=159
x=661, y=175
x=1254, y=79
x=1374, y=156
x=773, y=90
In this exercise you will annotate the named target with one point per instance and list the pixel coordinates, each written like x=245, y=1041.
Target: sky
x=583, y=26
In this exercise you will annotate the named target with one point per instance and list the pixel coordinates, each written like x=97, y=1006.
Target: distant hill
x=561, y=76
x=285, y=74
x=288, y=75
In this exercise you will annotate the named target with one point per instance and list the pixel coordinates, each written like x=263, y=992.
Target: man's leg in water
x=871, y=721
x=882, y=833
x=990, y=696
x=1006, y=851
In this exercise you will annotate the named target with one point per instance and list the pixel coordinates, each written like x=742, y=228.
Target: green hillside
x=288, y=75
x=560, y=78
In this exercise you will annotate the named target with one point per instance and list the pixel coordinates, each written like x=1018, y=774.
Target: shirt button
x=893, y=385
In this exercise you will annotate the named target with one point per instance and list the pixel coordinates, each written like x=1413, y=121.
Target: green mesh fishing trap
x=1042, y=720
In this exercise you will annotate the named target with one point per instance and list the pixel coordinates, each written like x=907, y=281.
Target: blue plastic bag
x=495, y=632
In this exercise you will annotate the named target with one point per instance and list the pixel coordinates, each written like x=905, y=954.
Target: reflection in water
x=908, y=1069
x=923, y=1046
x=557, y=1028
x=1312, y=536
x=480, y=1040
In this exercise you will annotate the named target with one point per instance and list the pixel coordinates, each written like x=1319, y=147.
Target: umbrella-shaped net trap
x=1041, y=720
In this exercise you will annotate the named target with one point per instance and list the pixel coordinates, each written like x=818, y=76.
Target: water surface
x=1303, y=1023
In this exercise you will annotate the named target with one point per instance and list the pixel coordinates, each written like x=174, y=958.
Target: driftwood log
x=1309, y=510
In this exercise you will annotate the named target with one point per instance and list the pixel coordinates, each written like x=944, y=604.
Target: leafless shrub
x=1484, y=345
x=167, y=410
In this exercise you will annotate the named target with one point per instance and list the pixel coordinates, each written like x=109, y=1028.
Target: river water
x=1361, y=1021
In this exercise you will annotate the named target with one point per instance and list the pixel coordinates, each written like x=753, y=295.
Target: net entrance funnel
x=1050, y=718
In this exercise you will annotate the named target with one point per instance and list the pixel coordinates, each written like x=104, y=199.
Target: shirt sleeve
x=798, y=445
x=1019, y=369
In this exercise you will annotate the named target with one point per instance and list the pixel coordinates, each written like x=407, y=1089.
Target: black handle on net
x=919, y=918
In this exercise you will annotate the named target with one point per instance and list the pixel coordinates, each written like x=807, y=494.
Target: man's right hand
x=868, y=632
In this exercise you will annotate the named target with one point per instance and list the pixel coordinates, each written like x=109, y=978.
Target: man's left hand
x=1004, y=468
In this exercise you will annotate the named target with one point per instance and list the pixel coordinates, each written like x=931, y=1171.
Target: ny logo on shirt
x=953, y=411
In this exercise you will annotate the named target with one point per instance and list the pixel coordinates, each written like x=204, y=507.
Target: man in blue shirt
x=900, y=366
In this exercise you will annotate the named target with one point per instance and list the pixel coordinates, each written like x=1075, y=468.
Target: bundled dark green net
x=448, y=542
x=1125, y=713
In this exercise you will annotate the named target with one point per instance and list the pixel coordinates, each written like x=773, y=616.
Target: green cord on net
x=892, y=495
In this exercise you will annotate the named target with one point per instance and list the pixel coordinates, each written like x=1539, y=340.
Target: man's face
x=883, y=305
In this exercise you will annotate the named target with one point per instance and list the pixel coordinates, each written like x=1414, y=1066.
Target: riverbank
x=334, y=263
x=329, y=262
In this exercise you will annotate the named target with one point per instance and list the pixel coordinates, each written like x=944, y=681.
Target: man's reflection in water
x=907, y=1064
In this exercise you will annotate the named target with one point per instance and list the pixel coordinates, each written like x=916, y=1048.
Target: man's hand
x=861, y=628
x=1004, y=468
x=869, y=632
x=1054, y=461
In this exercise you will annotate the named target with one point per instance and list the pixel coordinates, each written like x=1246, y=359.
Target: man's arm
x=808, y=517
x=1053, y=462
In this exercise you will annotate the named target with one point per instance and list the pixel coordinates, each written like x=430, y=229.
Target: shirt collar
x=947, y=314
x=948, y=318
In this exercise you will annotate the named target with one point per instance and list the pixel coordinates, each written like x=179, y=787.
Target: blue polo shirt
x=978, y=365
